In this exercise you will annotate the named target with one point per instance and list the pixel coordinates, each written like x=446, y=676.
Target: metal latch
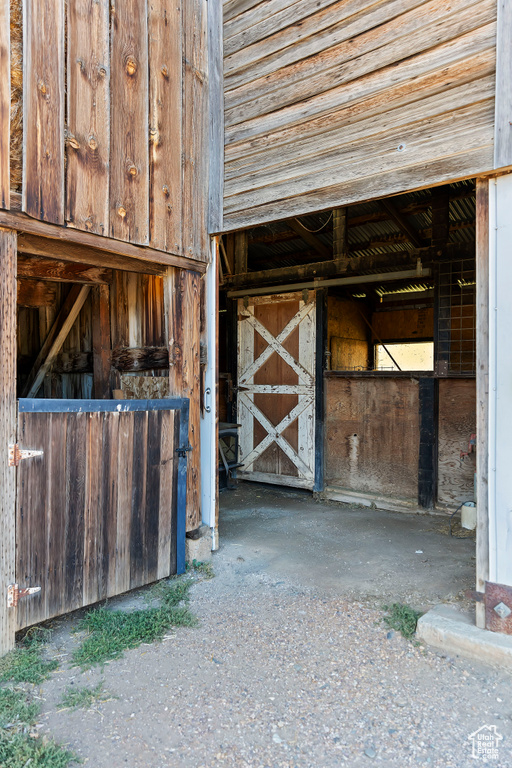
x=182, y=452
x=16, y=454
x=14, y=593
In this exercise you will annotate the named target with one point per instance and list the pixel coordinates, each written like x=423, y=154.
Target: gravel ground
x=278, y=675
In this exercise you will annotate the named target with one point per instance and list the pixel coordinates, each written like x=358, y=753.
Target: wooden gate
x=102, y=510
x=276, y=388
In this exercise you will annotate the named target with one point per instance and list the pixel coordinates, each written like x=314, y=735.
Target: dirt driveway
x=284, y=670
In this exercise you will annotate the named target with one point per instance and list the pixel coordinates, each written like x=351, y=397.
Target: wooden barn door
x=101, y=506
x=276, y=388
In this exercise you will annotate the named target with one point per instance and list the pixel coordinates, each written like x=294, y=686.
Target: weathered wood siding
x=372, y=436
x=95, y=513
x=115, y=128
x=328, y=103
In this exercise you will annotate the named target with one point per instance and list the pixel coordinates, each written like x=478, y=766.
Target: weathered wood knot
x=132, y=170
x=165, y=190
x=121, y=211
x=42, y=87
x=93, y=144
x=71, y=141
x=131, y=66
x=165, y=72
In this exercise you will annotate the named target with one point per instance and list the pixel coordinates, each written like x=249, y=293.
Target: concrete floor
x=343, y=550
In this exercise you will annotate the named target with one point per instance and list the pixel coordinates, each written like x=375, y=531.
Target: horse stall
x=103, y=250
x=366, y=167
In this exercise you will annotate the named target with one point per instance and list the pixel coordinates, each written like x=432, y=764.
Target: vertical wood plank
x=43, y=110
x=101, y=344
x=95, y=517
x=56, y=470
x=165, y=105
x=7, y=429
x=482, y=392
x=137, y=539
x=129, y=162
x=152, y=501
x=166, y=494
x=184, y=372
x=5, y=103
x=76, y=462
x=88, y=115
x=121, y=553
x=195, y=130
x=503, y=101
x=110, y=493
x=216, y=118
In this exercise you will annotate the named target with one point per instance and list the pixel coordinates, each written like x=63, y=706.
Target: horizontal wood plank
x=318, y=98
x=61, y=271
x=134, y=257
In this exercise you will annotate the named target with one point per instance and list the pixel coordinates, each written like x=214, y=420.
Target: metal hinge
x=16, y=454
x=182, y=452
x=14, y=593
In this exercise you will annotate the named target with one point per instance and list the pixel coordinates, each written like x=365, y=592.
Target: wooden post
x=482, y=392
x=440, y=217
x=321, y=339
x=183, y=298
x=7, y=432
x=241, y=252
x=101, y=343
x=339, y=237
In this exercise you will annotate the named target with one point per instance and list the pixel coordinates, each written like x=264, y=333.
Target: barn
x=284, y=217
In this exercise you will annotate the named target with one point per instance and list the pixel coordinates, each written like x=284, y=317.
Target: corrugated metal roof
x=379, y=234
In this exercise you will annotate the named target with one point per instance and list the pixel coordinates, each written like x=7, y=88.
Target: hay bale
x=16, y=149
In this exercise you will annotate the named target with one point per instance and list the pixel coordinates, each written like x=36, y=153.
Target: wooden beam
x=101, y=344
x=482, y=392
x=36, y=293
x=42, y=246
x=56, y=337
x=23, y=223
x=402, y=223
x=310, y=238
x=61, y=271
x=503, y=100
x=7, y=433
x=391, y=259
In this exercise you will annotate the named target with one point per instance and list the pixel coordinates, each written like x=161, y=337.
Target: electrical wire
x=319, y=228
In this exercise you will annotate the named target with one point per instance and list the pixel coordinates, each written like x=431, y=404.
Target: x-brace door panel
x=276, y=388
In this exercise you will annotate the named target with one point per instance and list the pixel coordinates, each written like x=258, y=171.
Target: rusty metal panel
x=498, y=596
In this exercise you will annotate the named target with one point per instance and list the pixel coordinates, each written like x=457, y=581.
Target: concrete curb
x=447, y=628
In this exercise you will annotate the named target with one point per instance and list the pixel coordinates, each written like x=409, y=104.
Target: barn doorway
x=394, y=339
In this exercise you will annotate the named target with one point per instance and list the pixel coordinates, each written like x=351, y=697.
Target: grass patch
x=402, y=618
x=76, y=697
x=203, y=568
x=110, y=633
x=19, y=750
x=15, y=708
x=18, y=747
x=25, y=664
